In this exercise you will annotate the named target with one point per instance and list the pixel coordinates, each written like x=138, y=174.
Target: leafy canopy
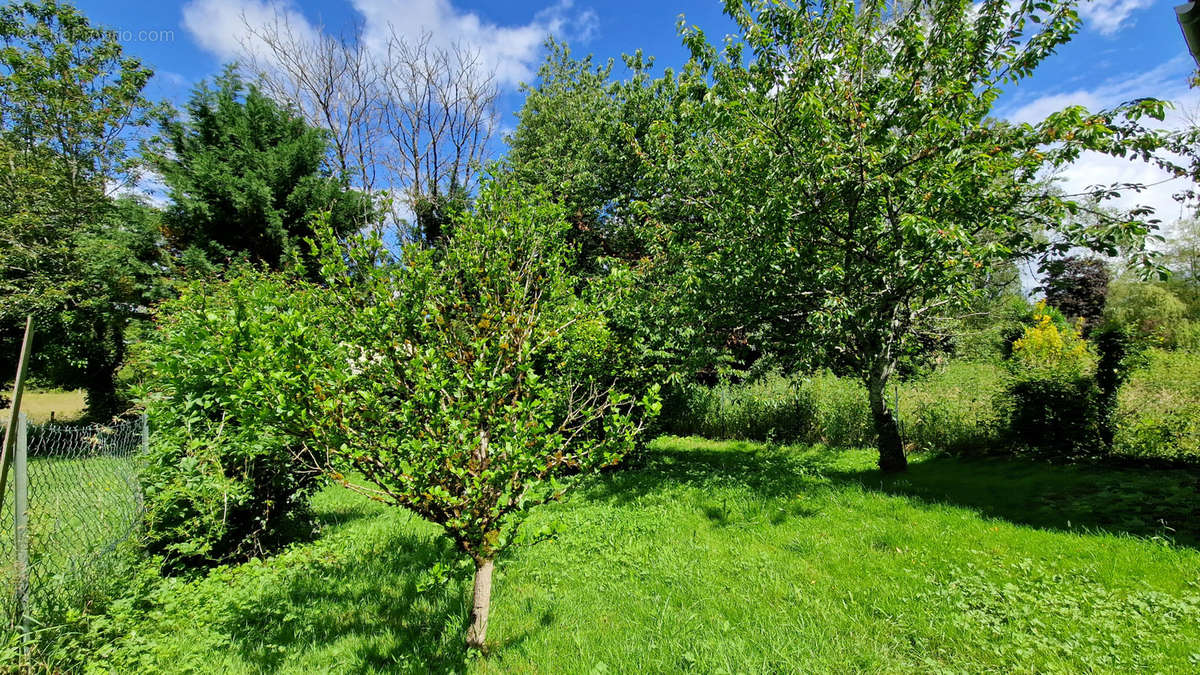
x=81, y=262
x=247, y=176
x=843, y=178
x=463, y=383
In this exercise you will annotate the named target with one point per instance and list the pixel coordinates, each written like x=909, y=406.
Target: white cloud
x=1167, y=81
x=1109, y=16
x=149, y=187
x=1106, y=17
x=512, y=52
x=221, y=26
x=1098, y=169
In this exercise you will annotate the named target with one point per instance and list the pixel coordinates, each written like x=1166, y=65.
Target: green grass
x=726, y=557
x=951, y=409
x=83, y=519
x=1159, y=411
x=67, y=406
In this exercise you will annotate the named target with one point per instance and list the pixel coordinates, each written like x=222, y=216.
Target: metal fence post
x=141, y=506
x=21, y=525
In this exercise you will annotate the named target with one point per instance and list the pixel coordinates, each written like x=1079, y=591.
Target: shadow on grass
x=1145, y=502
x=363, y=610
x=1141, y=502
x=767, y=471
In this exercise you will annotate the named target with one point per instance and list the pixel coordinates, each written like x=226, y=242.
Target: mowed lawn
x=67, y=406
x=729, y=557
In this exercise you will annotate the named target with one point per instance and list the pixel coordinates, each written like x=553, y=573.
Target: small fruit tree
x=468, y=381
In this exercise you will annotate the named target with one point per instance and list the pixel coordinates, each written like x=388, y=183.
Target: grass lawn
x=728, y=557
x=83, y=516
x=67, y=406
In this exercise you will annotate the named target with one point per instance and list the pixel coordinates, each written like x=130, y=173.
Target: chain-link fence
x=82, y=508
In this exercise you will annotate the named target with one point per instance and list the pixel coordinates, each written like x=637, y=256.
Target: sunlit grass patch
x=728, y=557
x=67, y=406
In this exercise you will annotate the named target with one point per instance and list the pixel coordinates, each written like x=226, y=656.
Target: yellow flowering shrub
x=1052, y=399
x=1045, y=346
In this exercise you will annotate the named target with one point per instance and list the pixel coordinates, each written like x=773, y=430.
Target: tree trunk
x=105, y=354
x=891, y=449
x=100, y=394
x=477, y=632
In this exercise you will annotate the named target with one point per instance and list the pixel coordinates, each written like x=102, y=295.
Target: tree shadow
x=767, y=471
x=369, y=604
x=329, y=518
x=1144, y=502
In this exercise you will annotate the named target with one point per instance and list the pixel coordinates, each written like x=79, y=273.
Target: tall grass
x=1158, y=410
x=959, y=408
x=951, y=409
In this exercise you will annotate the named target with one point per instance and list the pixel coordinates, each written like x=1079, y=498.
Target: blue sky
x=1126, y=49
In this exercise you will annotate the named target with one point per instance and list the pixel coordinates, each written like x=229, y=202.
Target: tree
x=120, y=272
x=1078, y=287
x=581, y=136
x=246, y=176
x=70, y=102
x=68, y=90
x=1182, y=257
x=411, y=121
x=1150, y=311
x=842, y=179
x=577, y=136
x=1183, y=252
x=467, y=385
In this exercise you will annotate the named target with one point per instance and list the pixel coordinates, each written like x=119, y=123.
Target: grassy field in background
x=67, y=406
x=727, y=557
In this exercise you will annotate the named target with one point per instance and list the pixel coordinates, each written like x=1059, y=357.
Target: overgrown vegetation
x=222, y=482
x=1159, y=409
x=951, y=409
x=975, y=407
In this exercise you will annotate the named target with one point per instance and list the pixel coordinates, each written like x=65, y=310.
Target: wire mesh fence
x=83, y=509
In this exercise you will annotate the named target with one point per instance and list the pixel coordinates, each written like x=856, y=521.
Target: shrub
x=1158, y=410
x=1054, y=416
x=1052, y=399
x=220, y=484
x=1150, y=311
x=1049, y=349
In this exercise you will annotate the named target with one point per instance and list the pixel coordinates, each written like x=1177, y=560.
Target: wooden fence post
x=18, y=391
x=21, y=525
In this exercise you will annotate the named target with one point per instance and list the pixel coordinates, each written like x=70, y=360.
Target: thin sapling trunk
x=482, y=601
